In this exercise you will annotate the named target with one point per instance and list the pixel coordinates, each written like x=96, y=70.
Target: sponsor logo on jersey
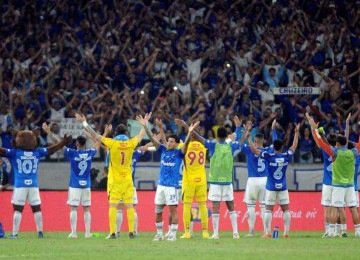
x=82, y=183
x=28, y=182
x=278, y=185
x=169, y=164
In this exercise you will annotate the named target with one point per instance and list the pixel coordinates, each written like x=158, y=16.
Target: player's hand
x=67, y=139
x=108, y=129
x=348, y=118
x=143, y=121
x=148, y=116
x=237, y=121
x=46, y=127
x=180, y=122
x=193, y=126
x=232, y=137
x=312, y=123
x=80, y=118
x=297, y=128
x=273, y=124
x=248, y=126
x=159, y=123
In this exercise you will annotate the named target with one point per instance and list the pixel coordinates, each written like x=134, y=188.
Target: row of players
x=266, y=168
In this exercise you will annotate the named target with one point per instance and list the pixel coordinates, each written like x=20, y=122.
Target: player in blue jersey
x=276, y=187
x=257, y=175
x=25, y=165
x=169, y=178
x=221, y=176
x=80, y=182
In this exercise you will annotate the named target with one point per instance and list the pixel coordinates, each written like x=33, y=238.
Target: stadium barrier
x=305, y=208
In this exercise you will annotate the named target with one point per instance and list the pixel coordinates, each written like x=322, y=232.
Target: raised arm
x=88, y=128
x=252, y=146
x=296, y=138
x=182, y=123
x=143, y=122
x=160, y=124
x=65, y=141
x=47, y=130
x=187, y=140
x=347, y=126
x=315, y=133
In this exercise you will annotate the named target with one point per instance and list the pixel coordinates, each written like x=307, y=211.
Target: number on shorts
x=27, y=166
x=82, y=167
x=192, y=158
x=261, y=165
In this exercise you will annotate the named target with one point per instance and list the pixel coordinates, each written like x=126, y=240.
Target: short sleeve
x=162, y=148
x=43, y=151
x=209, y=145
x=264, y=155
x=108, y=142
x=92, y=152
x=245, y=148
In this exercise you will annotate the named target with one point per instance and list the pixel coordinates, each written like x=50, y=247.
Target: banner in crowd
x=296, y=91
x=70, y=126
x=305, y=209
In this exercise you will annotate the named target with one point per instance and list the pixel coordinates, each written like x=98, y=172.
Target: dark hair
x=81, y=140
x=342, y=140
x=177, y=139
x=278, y=144
x=222, y=133
x=351, y=145
x=331, y=138
x=121, y=130
x=259, y=136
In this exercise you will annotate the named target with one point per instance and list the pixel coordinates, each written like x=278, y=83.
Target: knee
x=36, y=208
x=18, y=208
x=159, y=209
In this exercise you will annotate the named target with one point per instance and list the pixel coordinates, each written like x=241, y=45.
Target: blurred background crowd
x=195, y=60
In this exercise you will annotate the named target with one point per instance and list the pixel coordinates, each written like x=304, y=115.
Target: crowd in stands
x=195, y=60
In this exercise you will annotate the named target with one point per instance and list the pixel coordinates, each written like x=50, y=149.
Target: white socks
x=343, y=228
x=159, y=228
x=16, y=222
x=119, y=219
x=268, y=219
x=215, y=222
x=73, y=221
x=287, y=219
x=173, y=229
x=38, y=221
x=87, y=220
x=233, y=218
x=251, y=218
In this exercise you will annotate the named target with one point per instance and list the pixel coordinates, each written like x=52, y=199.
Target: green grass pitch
x=301, y=245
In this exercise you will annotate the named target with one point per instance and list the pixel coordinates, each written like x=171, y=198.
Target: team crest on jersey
x=83, y=156
x=28, y=154
x=279, y=160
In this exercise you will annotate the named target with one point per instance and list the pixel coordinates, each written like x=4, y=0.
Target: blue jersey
x=256, y=166
x=25, y=165
x=277, y=165
x=80, y=163
x=211, y=146
x=171, y=164
x=135, y=158
x=327, y=179
x=357, y=163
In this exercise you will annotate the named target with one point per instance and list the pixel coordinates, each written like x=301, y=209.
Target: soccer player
x=120, y=185
x=257, y=175
x=25, y=165
x=194, y=183
x=343, y=170
x=221, y=177
x=80, y=182
x=276, y=187
x=169, y=178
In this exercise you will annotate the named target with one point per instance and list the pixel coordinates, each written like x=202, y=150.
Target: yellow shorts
x=121, y=191
x=191, y=191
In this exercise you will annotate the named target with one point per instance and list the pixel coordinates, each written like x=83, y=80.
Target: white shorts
x=221, y=192
x=166, y=195
x=135, y=199
x=343, y=197
x=357, y=198
x=271, y=197
x=255, y=190
x=326, y=195
x=77, y=195
x=31, y=194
